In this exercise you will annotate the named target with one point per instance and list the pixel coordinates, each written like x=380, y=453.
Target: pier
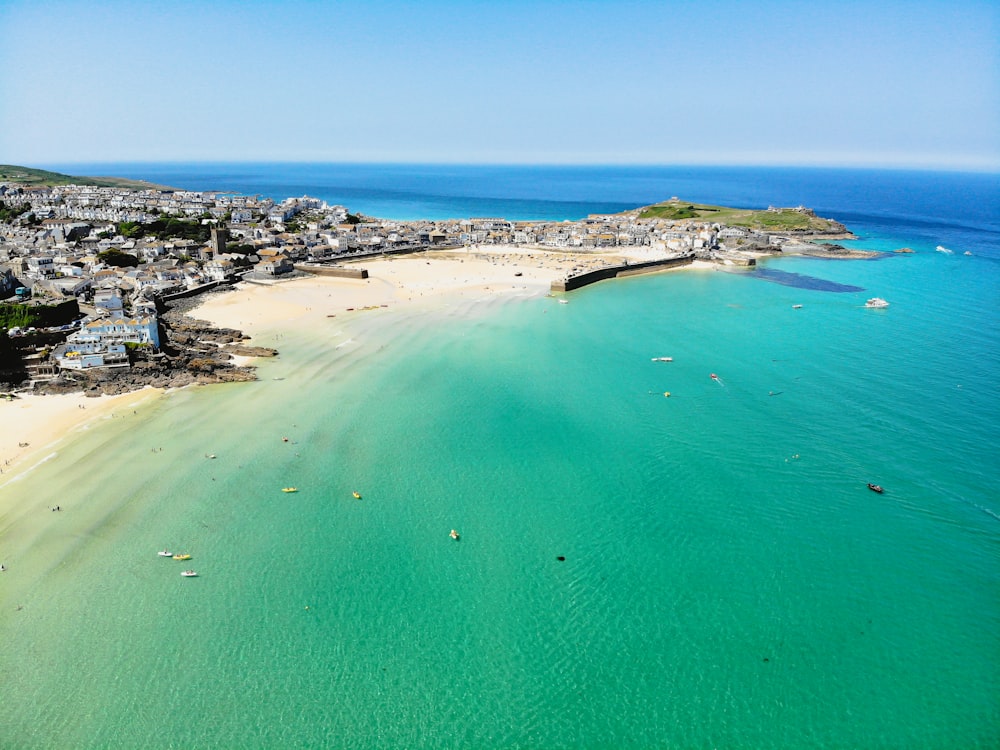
x=627, y=269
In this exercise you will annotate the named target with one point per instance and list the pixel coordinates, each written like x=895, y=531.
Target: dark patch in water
x=801, y=281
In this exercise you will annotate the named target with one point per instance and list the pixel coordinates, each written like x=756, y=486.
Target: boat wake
x=943, y=249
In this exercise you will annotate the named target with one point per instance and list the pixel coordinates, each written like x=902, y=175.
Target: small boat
x=663, y=359
x=454, y=535
x=182, y=557
x=943, y=249
x=796, y=307
x=876, y=302
x=564, y=302
x=876, y=488
x=666, y=394
x=289, y=489
x=209, y=455
x=357, y=495
x=713, y=376
x=189, y=574
x=165, y=553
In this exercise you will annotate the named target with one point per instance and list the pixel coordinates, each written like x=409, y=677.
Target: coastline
x=431, y=278
x=36, y=424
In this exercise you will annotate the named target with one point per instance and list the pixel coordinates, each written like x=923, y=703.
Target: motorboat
x=943, y=249
x=564, y=302
x=357, y=495
x=289, y=489
x=189, y=574
x=796, y=307
x=165, y=553
x=876, y=488
x=663, y=359
x=182, y=557
x=876, y=302
x=454, y=535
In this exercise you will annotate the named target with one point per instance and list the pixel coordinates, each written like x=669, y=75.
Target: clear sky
x=912, y=83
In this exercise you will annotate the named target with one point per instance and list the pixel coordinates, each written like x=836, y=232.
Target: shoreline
x=35, y=425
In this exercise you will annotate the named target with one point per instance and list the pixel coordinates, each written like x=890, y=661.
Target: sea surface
x=705, y=569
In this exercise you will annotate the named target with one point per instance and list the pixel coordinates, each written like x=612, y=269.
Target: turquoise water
x=728, y=580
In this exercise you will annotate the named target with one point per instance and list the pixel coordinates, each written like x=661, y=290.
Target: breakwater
x=611, y=272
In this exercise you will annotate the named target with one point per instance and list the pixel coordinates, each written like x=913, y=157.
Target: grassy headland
x=44, y=178
x=774, y=220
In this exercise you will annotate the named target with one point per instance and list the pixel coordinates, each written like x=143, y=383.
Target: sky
x=883, y=84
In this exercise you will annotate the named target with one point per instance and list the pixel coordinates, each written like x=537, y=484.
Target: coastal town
x=94, y=280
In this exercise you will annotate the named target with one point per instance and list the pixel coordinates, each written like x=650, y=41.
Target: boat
x=564, y=302
x=189, y=574
x=663, y=359
x=182, y=557
x=289, y=489
x=454, y=535
x=876, y=488
x=943, y=249
x=357, y=495
x=796, y=307
x=165, y=553
x=876, y=302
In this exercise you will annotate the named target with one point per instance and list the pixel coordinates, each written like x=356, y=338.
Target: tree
x=118, y=259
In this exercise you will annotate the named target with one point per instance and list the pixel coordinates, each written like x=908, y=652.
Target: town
x=90, y=268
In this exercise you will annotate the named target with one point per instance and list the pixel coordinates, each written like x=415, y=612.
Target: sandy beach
x=431, y=278
x=33, y=425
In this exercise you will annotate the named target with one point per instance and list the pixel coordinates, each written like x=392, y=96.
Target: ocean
x=701, y=570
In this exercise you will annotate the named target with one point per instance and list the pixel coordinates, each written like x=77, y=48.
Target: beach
x=34, y=425
x=435, y=278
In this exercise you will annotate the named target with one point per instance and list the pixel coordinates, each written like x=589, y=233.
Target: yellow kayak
x=289, y=489
x=182, y=557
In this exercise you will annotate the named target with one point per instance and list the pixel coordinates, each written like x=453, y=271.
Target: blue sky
x=910, y=84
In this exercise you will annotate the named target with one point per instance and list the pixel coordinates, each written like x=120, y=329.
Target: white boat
x=663, y=359
x=564, y=302
x=189, y=574
x=943, y=249
x=876, y=302
x=165, y=553
x=796, y=307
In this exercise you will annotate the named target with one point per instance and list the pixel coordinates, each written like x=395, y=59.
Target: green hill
x=775, y=220
x=43, y=178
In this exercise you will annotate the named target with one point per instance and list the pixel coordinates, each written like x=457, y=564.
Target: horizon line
x=980, y=169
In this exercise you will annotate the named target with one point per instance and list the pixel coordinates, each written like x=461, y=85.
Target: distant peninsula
x=43, y=178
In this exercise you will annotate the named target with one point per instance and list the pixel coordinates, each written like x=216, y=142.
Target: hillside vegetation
x=780, y=220
x=44, y=178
